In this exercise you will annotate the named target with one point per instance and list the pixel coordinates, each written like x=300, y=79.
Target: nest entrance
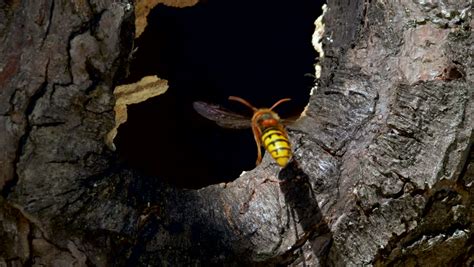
x=260, y=51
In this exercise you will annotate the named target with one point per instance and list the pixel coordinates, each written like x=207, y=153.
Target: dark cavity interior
x=258, y=50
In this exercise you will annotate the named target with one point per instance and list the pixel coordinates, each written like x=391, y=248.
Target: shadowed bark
x=382, y=171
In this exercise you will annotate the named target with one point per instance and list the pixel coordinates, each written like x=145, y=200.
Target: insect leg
x=257, y=137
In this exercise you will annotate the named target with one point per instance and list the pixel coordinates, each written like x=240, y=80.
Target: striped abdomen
x=275, y=141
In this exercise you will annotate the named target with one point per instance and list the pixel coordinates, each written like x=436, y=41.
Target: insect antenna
x=279, y=102
x=243, y=101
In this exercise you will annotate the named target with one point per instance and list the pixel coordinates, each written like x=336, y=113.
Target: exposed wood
x=143, y=7
x=128, y=94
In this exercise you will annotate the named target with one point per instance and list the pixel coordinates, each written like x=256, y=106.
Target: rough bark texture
x=383, y=169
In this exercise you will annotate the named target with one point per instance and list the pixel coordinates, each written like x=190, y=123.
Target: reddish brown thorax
x=269, y=122
x=265, y=118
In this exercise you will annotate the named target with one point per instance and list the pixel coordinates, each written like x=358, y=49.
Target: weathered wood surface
x=383, y=170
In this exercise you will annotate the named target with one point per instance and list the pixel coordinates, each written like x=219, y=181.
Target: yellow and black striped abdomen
x=276, y=143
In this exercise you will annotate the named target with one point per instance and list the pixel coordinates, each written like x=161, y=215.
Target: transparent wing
x=289, y=121
x=221, y=116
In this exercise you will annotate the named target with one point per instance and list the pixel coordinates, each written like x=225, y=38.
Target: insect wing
x=289, y=121
x=221, y=116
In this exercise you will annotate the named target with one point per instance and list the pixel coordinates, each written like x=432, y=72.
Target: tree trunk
x=383, y=166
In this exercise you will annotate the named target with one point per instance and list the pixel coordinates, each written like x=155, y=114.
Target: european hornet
x=266, y=125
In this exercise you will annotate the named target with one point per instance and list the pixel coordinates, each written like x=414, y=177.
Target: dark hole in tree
x=258, y=50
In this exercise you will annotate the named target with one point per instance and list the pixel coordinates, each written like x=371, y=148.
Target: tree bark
x=382, y=172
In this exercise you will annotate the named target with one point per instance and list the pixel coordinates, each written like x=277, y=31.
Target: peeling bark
x=143, y=7
x=383, y=163
x=128, y=94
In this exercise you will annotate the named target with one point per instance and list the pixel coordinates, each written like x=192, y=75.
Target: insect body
x=267, y=127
